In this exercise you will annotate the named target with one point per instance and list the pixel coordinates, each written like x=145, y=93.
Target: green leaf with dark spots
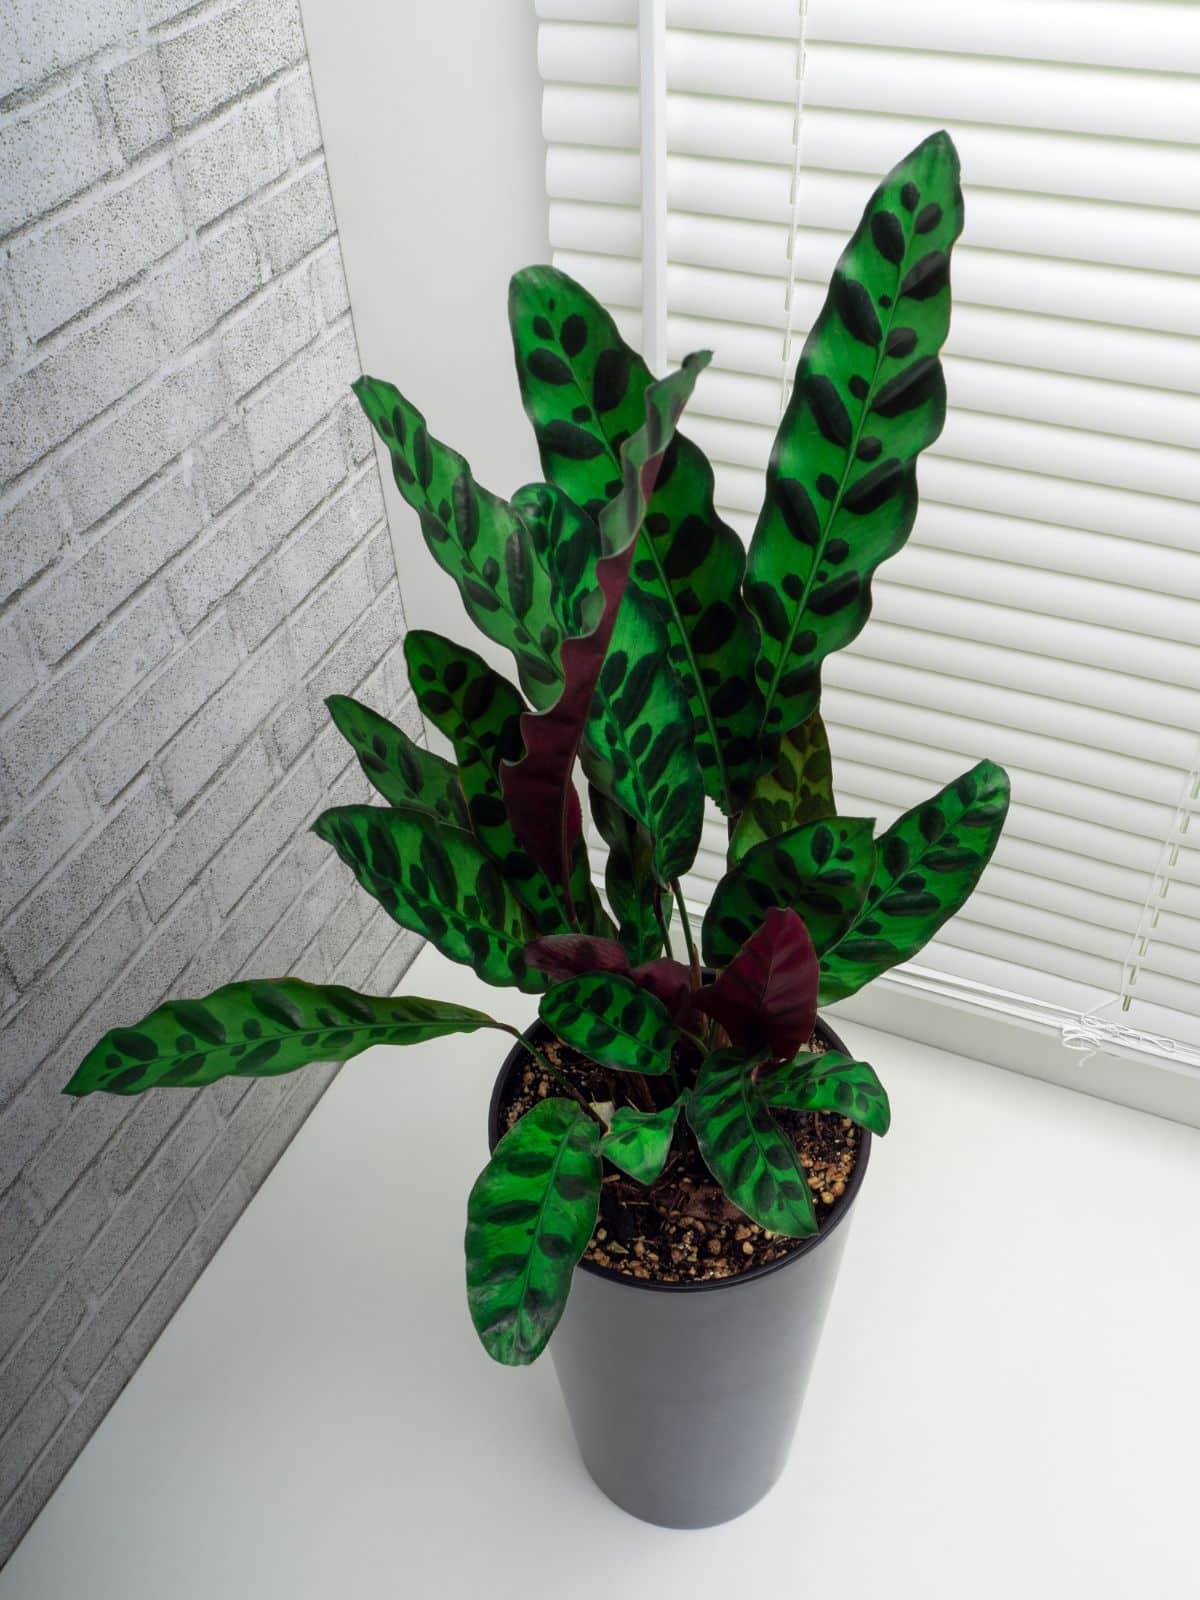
x=829, y=1082
x=608, y=1017
x=436, y=881
x=748, y=1153
x=568, y=545
x=798, y=788
x=629, y=878
x=539, y=788
x=926, y=866
x=529, y=1218
x=474, y=535
x=689, y=563
x=820, y=870
x=869, y=396
x=258, y=1029
x=639, y=1142
x=479, y=711
x=638, y=745
x=405, y=774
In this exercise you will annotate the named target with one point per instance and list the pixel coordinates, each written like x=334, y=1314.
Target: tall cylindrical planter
x=684, y=1397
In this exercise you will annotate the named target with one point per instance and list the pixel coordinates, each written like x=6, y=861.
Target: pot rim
x=539, y=1031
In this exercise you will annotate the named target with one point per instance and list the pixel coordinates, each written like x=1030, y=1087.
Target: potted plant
x=691, y=1138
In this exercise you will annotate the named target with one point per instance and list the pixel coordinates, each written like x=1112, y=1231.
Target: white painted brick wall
x=192, y=555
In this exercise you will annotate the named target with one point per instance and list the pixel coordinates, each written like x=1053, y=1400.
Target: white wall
x=431, y=122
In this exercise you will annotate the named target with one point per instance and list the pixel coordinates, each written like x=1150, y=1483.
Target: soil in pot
x=682, y=1229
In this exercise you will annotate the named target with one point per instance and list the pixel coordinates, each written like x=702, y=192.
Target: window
x=1046, y=612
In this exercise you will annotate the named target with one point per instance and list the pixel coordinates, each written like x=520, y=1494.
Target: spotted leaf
x=475, y=536
x=745, y=1149
x=820, y=870
x=479, y=711
x=830, y=1082
x=407, y=776
x=926, y=866
x=529, y=1218
x=608, y=1017
x=639, y=1142
x=583, y=389
x=539, y=789
x=258, y=1029
x=437, y=881
x=869, y=395
x=629, y=880
x=798, y=788
x=638, y=746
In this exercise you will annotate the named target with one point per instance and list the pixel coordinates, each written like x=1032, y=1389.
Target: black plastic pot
x=684, y=1397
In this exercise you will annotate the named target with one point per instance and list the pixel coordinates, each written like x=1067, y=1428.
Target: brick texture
x=194, y=554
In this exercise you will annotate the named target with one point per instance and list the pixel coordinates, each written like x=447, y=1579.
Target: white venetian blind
x=1046, y=612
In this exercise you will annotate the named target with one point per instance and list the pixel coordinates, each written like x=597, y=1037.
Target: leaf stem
x=693, y=958
x=662, y=923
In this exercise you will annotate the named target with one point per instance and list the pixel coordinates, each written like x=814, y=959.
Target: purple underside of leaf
x=766, y=998
x=565, y=955
x=538, y=789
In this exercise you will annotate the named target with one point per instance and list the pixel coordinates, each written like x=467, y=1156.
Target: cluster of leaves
x=668, y=665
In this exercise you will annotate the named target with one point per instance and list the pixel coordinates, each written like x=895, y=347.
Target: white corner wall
x=431, y=122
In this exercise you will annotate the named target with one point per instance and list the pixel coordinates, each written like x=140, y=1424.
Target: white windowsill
x=1005, y=1401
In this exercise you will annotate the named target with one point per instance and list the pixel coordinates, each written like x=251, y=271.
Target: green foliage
x=820, y=870
x=612, y=1019
x=406, y=775
x=639, y=1142
x=479, y=711
x=829, y=1082
x=259, y=1029
x=673, y=666
x=927, y=864
x=437, y=881
x=639, y=750
x=869, y=396
x=745, y=1149
x=473, y=535
x=583, y=389
x=529, y=1218
x=798, y=788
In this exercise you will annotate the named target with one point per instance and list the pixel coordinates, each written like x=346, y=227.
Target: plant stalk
x=693, y=958
x=550, y=1069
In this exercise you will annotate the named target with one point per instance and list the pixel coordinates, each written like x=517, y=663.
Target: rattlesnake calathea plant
x=665, y=664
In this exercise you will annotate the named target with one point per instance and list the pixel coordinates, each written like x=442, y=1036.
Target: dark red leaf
x=766, y=998
x=670, y=981
x=566, y=955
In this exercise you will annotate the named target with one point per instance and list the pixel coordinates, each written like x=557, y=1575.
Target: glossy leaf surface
x=639, y=1142
x=926, y=866
x=869, y=396
x=405, y=774
x=629, y=879
x=529, y=1218
x=798, y=788
x=829, y=1082
x=766, y=998
x=610, y=1018
x=257, y=1029
x=820, y=870
x=746, y=1150
x=583, y=388
x=479, y=711
x=538, y=788
x=473, y=535
x=566, y=955
x=639, y=748
x=438, y=881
